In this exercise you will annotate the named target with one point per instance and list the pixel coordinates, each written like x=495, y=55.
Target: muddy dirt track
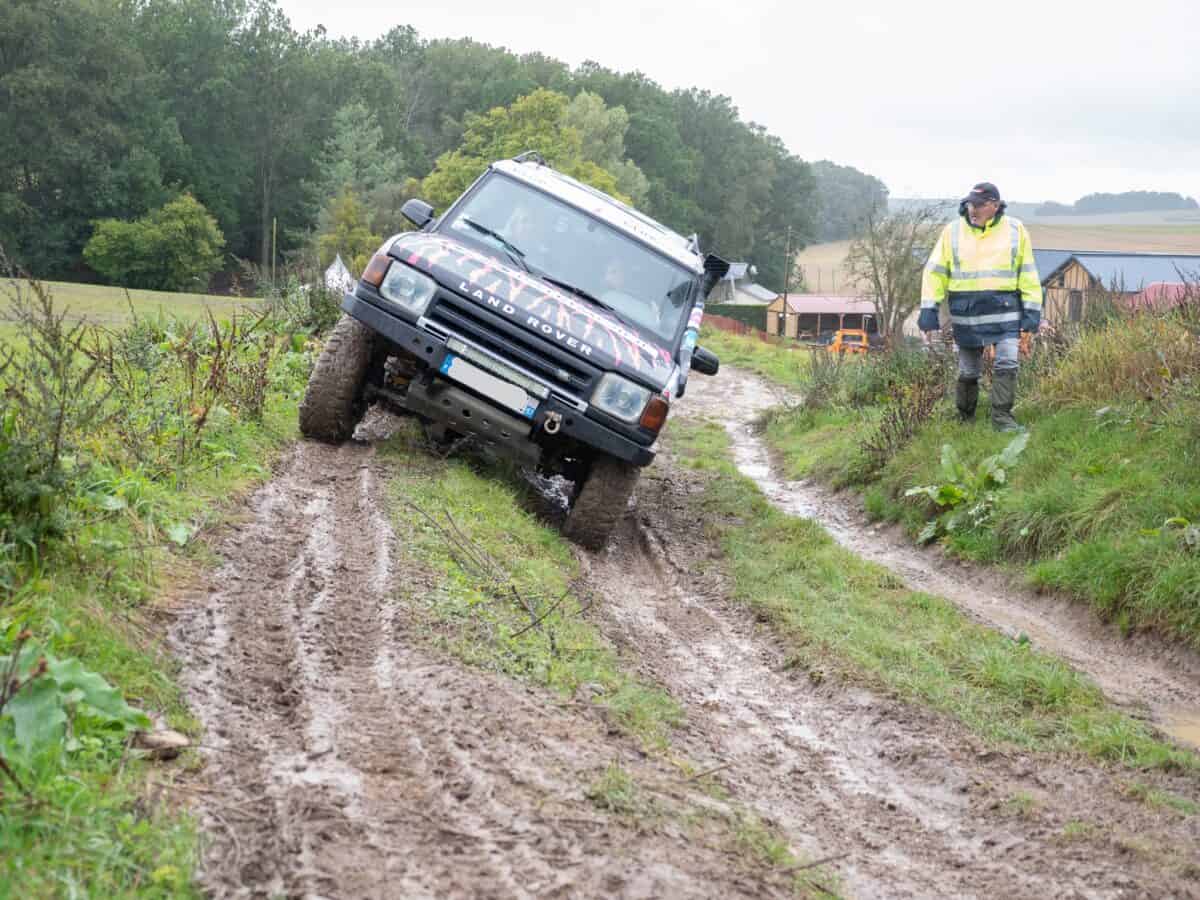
x=345, y=758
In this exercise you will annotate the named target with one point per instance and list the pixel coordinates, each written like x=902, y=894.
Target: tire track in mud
x=346, y=759
x=917, y=806
x=1145, y=676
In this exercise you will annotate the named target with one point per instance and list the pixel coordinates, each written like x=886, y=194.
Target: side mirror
x=417, y=211
x=705, y=361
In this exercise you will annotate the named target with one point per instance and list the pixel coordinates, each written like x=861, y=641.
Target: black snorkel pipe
x=715, y=269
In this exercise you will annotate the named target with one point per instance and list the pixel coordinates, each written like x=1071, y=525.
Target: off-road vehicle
x=537, y=317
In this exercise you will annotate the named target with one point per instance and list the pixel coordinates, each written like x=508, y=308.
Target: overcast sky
x=1050, y=100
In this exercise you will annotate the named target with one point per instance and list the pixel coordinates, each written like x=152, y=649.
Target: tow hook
x=552, y=423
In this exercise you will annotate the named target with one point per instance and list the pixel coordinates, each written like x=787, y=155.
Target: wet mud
x=346, y=757
x=1143, y=675
x=913, y=805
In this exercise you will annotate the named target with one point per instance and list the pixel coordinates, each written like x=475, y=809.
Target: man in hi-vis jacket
x=983, y=265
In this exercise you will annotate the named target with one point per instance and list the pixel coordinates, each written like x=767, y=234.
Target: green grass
x=823, y=444
x=110, y=306
x=785, y=364
x=834, y=608
x=88, y=830
x=615, y=791
x=485, y=618
x=1085, y=508
x=1163, y=799
x=87, y=826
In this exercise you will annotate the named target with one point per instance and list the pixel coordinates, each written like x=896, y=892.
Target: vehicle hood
x=580, y=327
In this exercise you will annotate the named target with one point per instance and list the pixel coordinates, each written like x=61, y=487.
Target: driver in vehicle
x=617, y=284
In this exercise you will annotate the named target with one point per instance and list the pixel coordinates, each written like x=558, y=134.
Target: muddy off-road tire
x=333, y=402
x=599, y=502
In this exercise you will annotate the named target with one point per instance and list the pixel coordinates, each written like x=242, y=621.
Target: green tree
x=170, y=249
x=83, y=130
x=845, y=198
x=888, y=256
x=602, y=140
x=355, y=157
x=534, y=122
x=347, y=231
x=193, y=47
x=283, y=91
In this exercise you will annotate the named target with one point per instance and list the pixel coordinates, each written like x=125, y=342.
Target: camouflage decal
x=559, y=317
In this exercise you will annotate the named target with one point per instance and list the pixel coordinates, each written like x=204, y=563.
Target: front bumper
x=432, y=349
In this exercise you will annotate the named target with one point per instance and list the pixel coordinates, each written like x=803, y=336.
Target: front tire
x=599, y=501
x=333, y=402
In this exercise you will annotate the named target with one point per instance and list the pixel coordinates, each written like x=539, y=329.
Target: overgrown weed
x=115, y=448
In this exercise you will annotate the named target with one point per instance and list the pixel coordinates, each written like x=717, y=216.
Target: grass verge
x=86, y=827
x=785, y=364
x=1103, y=505
x=497, y=569
x=117, y=448
x=834, y=608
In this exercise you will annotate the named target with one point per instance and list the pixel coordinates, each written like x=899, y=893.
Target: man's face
x=982, y=213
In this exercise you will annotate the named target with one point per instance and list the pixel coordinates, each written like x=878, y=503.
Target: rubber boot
x=1004, y=390
x=966, y=396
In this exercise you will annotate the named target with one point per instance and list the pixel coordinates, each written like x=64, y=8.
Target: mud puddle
x=345, y=758
x=1141, y=675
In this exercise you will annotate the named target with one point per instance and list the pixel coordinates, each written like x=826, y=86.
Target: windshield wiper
x=574, y=289
x=515, y=253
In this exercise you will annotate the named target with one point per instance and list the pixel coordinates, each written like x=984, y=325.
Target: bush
x=1138, y=357
x=174, y=248
x=913, y=402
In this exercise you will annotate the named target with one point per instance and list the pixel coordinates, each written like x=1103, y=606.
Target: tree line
x=1127, y=201
x=113, y=110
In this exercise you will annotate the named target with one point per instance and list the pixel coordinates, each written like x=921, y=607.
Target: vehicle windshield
x=555, y=239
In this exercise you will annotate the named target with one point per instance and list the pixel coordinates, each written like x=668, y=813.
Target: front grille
x=511, y=341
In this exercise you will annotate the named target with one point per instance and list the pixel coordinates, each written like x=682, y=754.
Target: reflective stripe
x=938, y=270
x=1016, y=243
x=954, y=242
x=929, y=304
x=983, y=273
x=991, y=319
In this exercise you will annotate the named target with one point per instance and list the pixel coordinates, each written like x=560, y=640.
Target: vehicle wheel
x=333, y=402
x=599, y=501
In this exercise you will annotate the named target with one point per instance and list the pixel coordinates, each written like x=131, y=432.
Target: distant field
x=822, y=267
x=1130, y=238
x=109, y=306
x=1027, y=212
x=824, y=274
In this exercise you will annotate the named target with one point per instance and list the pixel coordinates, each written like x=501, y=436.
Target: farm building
x=1146, y=280
x=808, y=316
x=1069, y=276
x=737, y=288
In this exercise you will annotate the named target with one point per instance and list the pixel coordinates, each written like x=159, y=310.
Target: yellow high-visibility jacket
x=989, y=277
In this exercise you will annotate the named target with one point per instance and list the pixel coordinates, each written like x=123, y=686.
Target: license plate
x=496, y=389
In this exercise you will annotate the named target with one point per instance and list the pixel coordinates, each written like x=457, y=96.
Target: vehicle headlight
x=620, y=398
x=405, y=287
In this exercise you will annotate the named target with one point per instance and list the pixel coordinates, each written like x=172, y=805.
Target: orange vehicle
x=849, y=340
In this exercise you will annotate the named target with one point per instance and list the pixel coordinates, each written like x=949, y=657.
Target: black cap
x=982, y=193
